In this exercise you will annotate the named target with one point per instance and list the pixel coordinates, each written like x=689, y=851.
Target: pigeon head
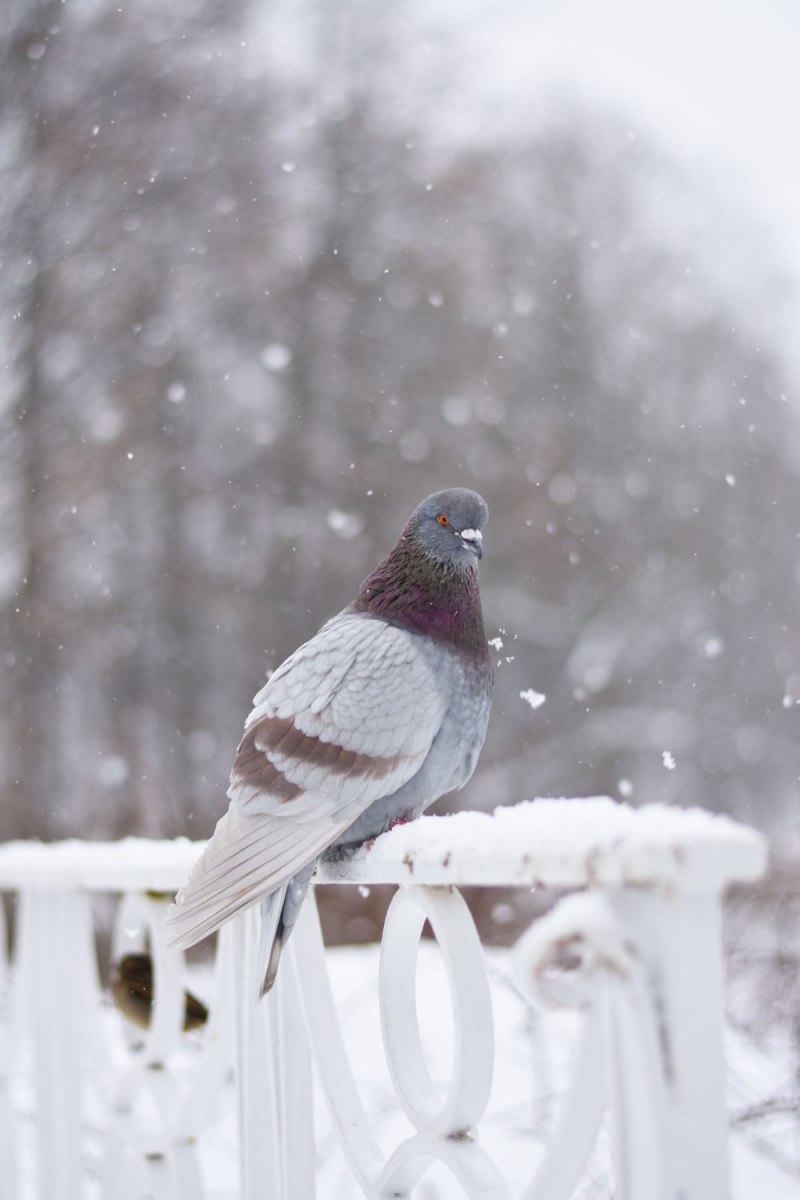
x=449, y=526
x=429, y=581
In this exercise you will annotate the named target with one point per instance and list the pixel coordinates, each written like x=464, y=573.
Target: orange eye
x=442, y=519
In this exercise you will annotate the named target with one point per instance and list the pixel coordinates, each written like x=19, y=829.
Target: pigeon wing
x=347, y=719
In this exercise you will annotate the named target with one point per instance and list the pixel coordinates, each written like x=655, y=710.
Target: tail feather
x=279, y=912
x=270, y=942
x=246, y=857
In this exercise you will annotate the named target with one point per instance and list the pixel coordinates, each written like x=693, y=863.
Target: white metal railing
x=86, y=1111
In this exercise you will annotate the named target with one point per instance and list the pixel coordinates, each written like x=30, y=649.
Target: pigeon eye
x=442, y=519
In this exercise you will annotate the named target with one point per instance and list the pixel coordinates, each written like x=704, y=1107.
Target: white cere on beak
x=474, y=539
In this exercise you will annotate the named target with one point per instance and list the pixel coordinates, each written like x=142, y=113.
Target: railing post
x=254, y=1070
x=295, y=1099
x=8, y=1139
x=679, y=938
x=53, y=999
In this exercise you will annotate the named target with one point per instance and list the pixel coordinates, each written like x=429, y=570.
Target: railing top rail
x=558, y=843
x=130, y=864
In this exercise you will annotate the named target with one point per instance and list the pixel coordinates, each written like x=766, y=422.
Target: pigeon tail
x=279, y=912
x=269, y=942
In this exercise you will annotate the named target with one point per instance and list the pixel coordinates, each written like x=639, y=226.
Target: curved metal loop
x=142, y=1114
x=562, y=960
x=353, y=1126
x=468, y=1092
x=464, y=1158
x=207, y=1080
x=579, y=1118
x=139, y=928
x=579, y=956
x=158, y=1106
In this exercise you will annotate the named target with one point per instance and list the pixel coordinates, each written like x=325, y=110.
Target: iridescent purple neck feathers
x=415, y=591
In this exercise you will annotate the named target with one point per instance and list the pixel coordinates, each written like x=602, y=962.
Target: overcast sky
x=717, y=79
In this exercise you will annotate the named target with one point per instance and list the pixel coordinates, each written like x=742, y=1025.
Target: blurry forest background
x=258, y=299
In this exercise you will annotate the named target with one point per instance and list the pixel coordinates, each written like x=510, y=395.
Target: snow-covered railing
x=87, y=1111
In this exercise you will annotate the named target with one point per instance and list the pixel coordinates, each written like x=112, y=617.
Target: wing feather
x=349, y=717
x=346, y=720
x=248, y=857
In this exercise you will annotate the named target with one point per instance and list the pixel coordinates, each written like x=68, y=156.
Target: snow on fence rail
x=637, y=949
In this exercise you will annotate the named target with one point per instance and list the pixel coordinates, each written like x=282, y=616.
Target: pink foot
x=370, y=842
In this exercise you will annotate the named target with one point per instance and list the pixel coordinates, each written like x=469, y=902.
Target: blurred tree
x=260, y=306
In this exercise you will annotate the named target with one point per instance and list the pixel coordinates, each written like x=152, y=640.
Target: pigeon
x=363, y=727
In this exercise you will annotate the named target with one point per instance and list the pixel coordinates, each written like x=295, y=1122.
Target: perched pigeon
x=382, y=712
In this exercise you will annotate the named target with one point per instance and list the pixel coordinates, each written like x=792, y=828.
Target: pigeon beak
x=473, y=540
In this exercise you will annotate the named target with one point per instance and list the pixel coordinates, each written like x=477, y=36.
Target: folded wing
x=347, y=719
